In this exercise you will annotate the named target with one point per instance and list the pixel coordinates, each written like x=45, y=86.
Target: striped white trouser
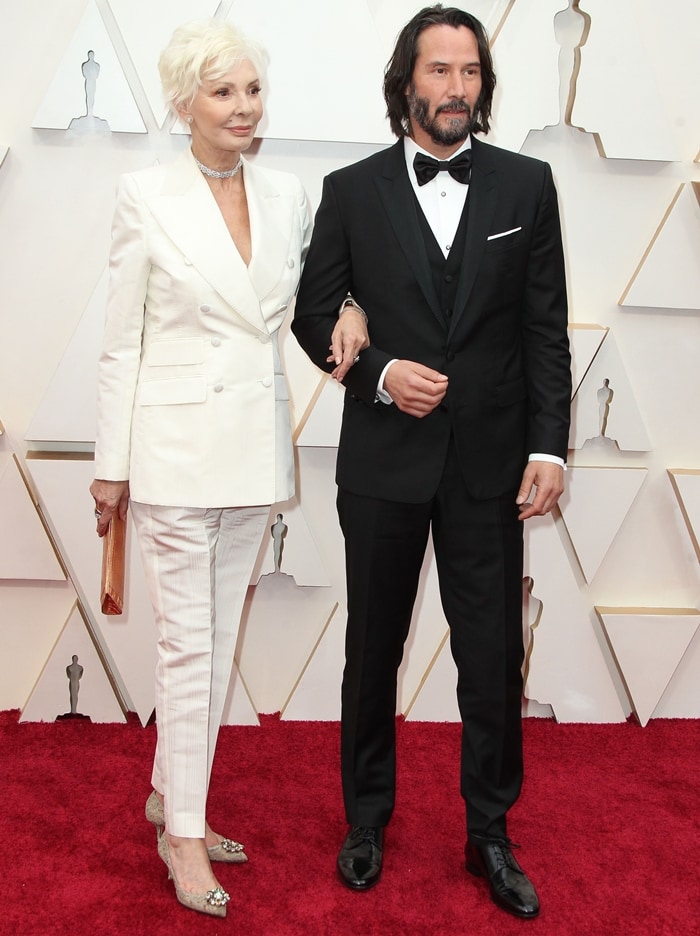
x=198, y=563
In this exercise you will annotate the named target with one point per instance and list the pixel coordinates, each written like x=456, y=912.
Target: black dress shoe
x=509, y=885
x=360, y=858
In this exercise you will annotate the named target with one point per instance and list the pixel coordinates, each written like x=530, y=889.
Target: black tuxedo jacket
x=505, y=349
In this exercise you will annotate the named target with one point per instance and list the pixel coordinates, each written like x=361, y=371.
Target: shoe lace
x=364, y=834
x=502, y=853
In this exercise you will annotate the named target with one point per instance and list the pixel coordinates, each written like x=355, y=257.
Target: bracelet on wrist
x=351, y=304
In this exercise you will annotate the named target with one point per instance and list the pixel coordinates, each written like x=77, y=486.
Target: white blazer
x=192, y=404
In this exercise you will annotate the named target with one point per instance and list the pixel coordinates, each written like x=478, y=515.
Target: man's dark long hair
x=399, y=72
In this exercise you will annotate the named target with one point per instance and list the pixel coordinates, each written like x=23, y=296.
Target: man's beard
x=455, y=131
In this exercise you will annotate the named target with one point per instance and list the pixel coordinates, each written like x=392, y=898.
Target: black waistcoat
x=445, y=270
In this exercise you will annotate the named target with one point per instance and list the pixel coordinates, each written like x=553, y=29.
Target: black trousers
x=479, y=554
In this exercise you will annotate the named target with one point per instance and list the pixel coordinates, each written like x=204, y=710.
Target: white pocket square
x=503, y=233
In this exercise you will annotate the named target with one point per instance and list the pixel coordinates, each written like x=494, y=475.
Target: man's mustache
x=454, y=107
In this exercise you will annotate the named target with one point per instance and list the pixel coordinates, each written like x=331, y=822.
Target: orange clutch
x=113, y=563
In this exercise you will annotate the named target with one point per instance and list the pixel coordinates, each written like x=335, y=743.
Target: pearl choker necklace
x=216, y=173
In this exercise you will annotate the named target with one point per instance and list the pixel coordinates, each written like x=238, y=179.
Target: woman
x=193, y=413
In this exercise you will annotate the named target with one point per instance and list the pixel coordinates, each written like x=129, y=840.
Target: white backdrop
x=607, y=95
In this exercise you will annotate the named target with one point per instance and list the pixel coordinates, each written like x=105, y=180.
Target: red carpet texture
x=608, y=822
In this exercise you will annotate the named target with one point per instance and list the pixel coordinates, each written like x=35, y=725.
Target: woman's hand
x=350, y=336
x=110, y=496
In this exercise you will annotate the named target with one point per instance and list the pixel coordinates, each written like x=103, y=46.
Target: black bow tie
x=427, y=168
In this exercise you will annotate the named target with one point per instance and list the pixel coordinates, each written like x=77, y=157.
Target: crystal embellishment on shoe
x=227, y=850
x=217, y=897
x=229, y=845
x=212, y=903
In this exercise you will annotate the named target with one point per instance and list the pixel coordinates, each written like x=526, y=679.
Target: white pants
x=198, y=563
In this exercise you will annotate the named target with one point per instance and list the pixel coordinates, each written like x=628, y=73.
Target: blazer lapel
x=480, y=208
x=187, y=212
x=270, y=241
x=399, y=202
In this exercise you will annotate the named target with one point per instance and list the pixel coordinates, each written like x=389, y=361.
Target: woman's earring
x=189, y=118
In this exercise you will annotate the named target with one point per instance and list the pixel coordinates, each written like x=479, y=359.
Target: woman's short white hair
x=203, y=51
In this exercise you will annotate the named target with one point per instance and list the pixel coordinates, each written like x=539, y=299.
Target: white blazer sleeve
x=118, y=368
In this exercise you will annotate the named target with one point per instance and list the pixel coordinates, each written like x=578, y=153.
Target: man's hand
x=348, y=339
x=548, y=480
x=415, y=388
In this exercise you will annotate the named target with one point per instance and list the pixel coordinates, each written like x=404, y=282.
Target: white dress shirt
x=442, y=199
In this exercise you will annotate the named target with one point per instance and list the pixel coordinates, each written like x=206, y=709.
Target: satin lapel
x=397, y=196
x=187, y=212
x=269, y=237
x=481, y=205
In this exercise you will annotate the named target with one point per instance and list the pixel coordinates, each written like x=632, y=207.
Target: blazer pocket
x=172, y=390
x=175, y=351
x=504, y=241
x=507, y=233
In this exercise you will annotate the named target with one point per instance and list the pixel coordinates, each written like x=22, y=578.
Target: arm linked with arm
x=326, y=281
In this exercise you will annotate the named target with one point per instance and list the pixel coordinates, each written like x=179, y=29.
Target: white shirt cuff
x=382, y=396
x=554, y=459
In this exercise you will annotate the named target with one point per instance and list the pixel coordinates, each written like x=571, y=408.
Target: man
x=454, y=414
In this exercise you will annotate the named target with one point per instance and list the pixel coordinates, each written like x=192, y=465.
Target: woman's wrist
x=349, y=303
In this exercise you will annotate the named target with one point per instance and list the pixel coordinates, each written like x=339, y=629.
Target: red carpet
x=608, y=821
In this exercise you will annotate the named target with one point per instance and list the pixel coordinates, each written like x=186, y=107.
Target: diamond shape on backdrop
x=146, y=44
x=68, y=410
x=565, y=636
x=390, y=16
x=50, y=696
x=68, y=101
x=128, y=640
x=686, y=484
x=298, y=69
x=238, y=707
x=281, y=624
x=316, y=694
x=300, y=558
x=321, y=423
x=32, y=617
x=605, y=416
x=27, y=552
x=593, y=508
x=668, y=275
x=616, y=90
x=526, y=52
x=648, y=644
x=584, y=341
